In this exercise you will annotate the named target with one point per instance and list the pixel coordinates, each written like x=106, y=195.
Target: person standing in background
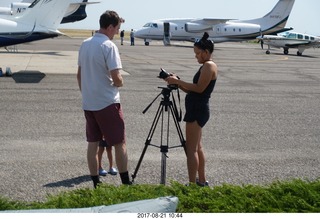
x=132, y=37
x=122, y=36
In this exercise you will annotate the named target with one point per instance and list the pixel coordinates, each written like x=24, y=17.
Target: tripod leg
x=148, y=140
x=163, y=168
x=177, y=124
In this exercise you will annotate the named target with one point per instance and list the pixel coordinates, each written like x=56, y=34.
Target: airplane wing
x=214, y=21
x=201, y=25
x=308, y=44
x=85, y=3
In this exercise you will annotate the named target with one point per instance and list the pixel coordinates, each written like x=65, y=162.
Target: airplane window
x=146, y=25
x=234, y=29
x=300, y=36
x=306, y=37
x=155, y=25
x=225, y=29
x=312, y=38
x=239, y=29
x=292, y=36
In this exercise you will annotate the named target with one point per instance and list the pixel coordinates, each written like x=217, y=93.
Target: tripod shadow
x=69, y=183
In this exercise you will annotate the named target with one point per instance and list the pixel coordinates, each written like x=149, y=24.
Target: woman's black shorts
x=197, y=109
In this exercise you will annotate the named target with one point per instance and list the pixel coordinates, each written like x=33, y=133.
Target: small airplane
x=290, y=40
x=75, y=12
x=39, y=21
x=219, y=30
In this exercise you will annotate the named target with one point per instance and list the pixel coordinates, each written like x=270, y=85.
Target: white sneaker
x=113, y=171
x=102, y=172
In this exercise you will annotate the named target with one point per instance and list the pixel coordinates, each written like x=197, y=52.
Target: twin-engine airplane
x=39, y=21
x=219, y=30
x=76, y=10
x=290, y=40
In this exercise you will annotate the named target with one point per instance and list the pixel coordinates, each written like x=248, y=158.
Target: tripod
x=166, y=105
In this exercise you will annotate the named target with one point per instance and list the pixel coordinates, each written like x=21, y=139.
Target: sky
x=305, y=16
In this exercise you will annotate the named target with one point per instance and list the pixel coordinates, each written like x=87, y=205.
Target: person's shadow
x=69, y=182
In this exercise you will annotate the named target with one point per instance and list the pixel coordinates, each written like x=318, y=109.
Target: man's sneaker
x=113, y=171
x=102, y=172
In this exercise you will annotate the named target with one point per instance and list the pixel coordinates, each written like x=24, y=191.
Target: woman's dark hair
x=204, y=43
x=110, y=18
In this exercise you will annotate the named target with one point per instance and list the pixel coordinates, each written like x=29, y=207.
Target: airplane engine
x=5, y=11
x=196, y=28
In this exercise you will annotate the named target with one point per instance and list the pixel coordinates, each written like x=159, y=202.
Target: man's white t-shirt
x=98, y=56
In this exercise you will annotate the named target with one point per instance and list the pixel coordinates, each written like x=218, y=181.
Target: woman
x=197, y=107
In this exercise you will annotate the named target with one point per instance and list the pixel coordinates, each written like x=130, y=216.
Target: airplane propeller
x=261, y=43
x=260, y=40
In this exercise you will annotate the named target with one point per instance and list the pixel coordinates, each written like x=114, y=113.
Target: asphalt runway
x=264, y=125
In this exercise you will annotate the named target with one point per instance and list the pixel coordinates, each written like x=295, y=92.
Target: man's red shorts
x=107, y=122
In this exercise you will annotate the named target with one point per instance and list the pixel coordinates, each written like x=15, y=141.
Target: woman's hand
x=172, y=79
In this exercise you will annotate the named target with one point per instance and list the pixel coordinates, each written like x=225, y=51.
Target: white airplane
x=39, y=21
x=220, y=30
x=75, y=12
x=290, y=40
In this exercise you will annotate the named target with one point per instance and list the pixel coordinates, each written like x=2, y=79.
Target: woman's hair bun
x=205, y=36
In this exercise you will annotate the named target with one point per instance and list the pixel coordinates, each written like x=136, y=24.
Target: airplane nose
x=139, y=33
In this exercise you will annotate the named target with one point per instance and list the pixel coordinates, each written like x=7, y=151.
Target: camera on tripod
x=163, y=75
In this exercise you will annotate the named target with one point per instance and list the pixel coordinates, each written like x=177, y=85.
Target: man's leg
x=122, y=162
x=92, y=158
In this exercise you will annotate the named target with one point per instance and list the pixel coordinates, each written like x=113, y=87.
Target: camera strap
x=178, y=114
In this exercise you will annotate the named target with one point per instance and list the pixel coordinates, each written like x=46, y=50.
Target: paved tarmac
x=264, y=122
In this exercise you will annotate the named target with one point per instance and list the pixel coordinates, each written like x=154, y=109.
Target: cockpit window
x=292, y=36
x=154, y=25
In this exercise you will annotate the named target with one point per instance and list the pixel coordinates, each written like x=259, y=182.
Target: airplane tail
x=46, y=14
x=276, y=19
x=77, y=15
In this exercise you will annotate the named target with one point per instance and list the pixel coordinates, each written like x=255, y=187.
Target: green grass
x=292, y=196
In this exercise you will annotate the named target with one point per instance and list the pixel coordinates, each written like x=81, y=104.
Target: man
x=122, y=36
x=99, y=79
x=132, y=37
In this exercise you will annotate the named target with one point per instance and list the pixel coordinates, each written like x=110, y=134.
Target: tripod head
x=166, y=91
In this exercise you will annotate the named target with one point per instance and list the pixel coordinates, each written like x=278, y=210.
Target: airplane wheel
x=146, y=43
x=286, y=52
x=299, y=53
x=267, y=52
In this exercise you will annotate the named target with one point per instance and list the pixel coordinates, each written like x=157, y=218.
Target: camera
x=163, y=74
